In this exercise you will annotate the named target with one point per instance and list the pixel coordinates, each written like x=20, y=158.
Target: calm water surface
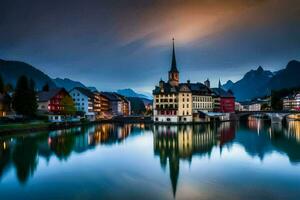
x=253, y=160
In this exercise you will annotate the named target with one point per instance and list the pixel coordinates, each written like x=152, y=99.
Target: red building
x=223, y=101
x=50, y=101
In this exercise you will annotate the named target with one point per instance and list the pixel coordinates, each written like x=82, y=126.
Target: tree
x=1, y=85
x=45, y=87
x=24, y=98
x=68, y=105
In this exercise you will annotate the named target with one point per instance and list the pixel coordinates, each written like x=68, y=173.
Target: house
x=126, y=107
x=87, y=102
x=291, y=102
x=223, y=101
x=5, y=104
x=118, y=104
x=50, y=101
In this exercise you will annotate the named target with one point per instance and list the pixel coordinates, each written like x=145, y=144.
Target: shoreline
x=25, y=128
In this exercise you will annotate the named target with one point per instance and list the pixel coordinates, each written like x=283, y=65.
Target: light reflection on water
x=227, y=161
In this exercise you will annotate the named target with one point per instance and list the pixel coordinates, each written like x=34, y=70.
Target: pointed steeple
x=173, y=65
x=220, y=85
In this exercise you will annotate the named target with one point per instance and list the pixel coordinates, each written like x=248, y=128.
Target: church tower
x=173, y=73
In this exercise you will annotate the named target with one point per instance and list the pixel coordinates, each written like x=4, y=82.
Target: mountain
x=12, y=70
x=68, y=84
x=227, y=85
x=260, y=82
x=252, y=84
x=131, y=93
x=286, y=78
x=93, y=89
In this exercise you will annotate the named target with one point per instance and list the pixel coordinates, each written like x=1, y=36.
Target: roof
x=194, y=88
x=47, y=95
x=173, y=64
x=122, y=97
x=222, y=93
x=111, y=96
x=84, y=91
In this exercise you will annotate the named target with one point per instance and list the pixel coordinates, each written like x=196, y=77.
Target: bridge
x=274, y=116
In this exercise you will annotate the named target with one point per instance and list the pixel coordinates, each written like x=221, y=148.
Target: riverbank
x=34, y=126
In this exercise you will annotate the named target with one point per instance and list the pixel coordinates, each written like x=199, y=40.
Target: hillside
x=12, y=70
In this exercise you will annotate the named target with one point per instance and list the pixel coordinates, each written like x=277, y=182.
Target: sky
x=117, y=44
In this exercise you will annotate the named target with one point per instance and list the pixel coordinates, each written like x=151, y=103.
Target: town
x=173, y=102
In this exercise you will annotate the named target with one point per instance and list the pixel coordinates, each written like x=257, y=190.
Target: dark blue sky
x=127, y=43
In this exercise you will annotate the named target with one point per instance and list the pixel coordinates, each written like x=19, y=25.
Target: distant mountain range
x=68, y=84
x=12, y=70
x=255, y=83
x=131, y=93
x=260, y=82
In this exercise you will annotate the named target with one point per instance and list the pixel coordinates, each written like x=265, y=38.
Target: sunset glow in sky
x=117, y=44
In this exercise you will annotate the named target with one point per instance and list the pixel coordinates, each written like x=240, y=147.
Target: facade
x=223, y=101
x=175, y=102
x=292, y=102
x=50, y=101
x=86, y=101
x=105, y=111
x=118, y=104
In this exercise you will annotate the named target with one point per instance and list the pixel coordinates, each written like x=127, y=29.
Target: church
x=176, y=102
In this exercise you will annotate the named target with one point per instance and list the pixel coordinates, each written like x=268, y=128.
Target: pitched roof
x=195, y=88
x=222, y=93
x=47, y=95
x=111, y=96
x=84, y=91
x=173, y=64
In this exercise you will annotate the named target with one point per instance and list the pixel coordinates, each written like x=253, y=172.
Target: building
x=105, y=111
x=50, y=101
x=118, y=104
x=291, y=102
x=256, y=105
x=223, y=101
x=179, y=102
x=125, y=106
x=87, y=102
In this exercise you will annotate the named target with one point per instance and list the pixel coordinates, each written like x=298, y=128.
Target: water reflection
x=171, y=145
x=23, y=152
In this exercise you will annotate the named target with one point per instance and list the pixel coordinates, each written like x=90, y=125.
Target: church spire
x=220, y=85
x=174, y=73
x=173, y=65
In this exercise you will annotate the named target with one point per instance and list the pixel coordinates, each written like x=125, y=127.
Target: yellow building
x=176, y=102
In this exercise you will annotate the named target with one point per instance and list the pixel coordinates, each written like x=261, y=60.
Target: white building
x=84, y=100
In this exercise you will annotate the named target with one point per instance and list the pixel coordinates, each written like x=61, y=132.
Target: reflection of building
x=173, y=143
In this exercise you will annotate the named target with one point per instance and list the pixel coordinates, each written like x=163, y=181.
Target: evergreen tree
x=24, y=99
x=68, y=104
x=1, y=85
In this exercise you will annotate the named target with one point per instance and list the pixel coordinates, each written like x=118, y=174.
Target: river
x=249, y=160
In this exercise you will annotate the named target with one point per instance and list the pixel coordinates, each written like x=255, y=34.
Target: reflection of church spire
x=174, y=172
